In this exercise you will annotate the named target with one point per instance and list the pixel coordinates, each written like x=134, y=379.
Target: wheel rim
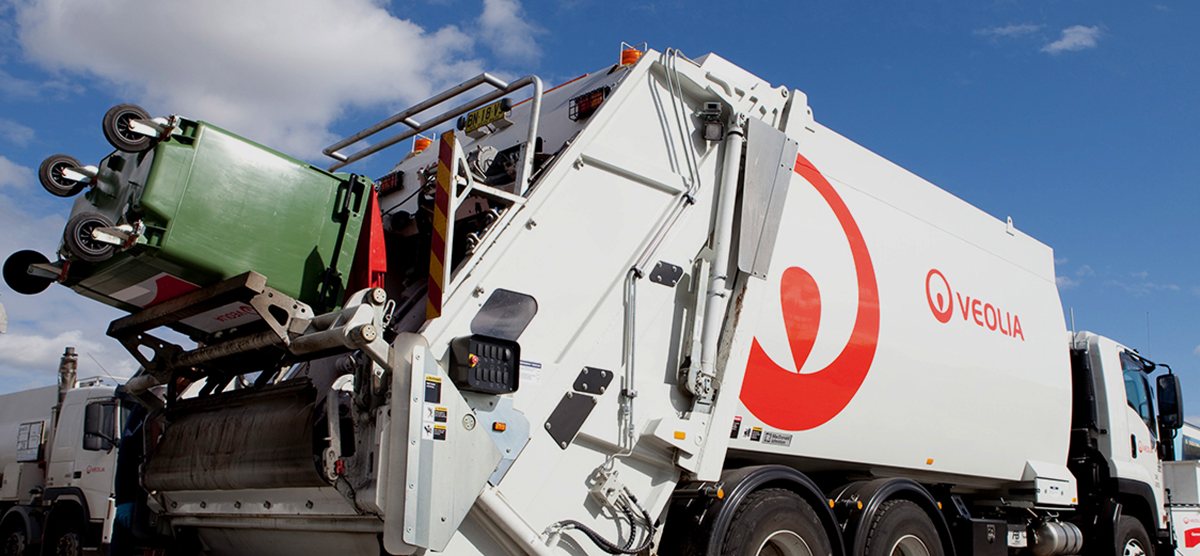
x=56, y=175
x=784, y=543
x=1134, y=548
x=87, y=241
x=910, y=545
x=14, y=544
x=68, y=545
x=124, y=130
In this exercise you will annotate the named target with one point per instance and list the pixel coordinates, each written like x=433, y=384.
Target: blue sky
x=1078, y=119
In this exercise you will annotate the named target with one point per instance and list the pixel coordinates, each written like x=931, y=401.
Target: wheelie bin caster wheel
x=118, y=131
x=80, y=242
x=17, y=276
x=50, y=174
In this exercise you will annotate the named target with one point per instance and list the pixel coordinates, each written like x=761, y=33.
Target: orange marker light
x=499, y=427
x=720, y=493
x=929, y=461
x=421, y=143
x=680, y=435
x=630, y=56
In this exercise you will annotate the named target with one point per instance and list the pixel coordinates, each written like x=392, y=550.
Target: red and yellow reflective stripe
x=441, y=222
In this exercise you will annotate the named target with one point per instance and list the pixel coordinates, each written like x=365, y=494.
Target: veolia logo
x=986, y=315
x=941, y=300
x=793, y=401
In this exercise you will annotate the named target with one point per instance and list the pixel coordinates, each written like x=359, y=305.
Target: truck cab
x=79, y=475
x=1119, y=441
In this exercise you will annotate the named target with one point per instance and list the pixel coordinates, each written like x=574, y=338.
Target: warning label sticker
x=433, y=389
x=756, y=434
x=434, y=414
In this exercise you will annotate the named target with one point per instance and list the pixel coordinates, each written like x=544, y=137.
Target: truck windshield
x=1137, y=389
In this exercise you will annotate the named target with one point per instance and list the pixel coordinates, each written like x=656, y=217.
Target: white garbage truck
x=658, y=309
x=58, y=457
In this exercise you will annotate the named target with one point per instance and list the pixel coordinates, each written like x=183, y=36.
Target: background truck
x=58, y=461
x=660, y=309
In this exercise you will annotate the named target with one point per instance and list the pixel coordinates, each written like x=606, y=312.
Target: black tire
x=17, y=276
x=68, y=542
x=902, y=528
x=1132, y=539
x=116, y=128
x=79, y=240
x=50, y=174
x=775, y=522
x=13, y=542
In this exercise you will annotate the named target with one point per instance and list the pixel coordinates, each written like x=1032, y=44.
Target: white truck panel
x=987, y=397
x=20, y=408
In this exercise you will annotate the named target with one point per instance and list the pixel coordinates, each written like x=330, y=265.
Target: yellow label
x=489, y=114
x=433, y=378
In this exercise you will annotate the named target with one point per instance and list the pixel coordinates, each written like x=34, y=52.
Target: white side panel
x=23, y=407
x=966, y=369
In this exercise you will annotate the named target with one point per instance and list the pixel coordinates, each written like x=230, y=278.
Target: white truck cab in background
x=58, y=456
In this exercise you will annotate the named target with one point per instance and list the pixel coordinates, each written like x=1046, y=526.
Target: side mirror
x=1170, y=402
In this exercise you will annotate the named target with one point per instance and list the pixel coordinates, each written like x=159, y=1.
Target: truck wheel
x=116, y=128
x=17, y=276
x=775, y=522
x=902, y=528
x=67, y=544
x=14, y=542
x=79, y=240
x=1132, y=539
x=50, y=174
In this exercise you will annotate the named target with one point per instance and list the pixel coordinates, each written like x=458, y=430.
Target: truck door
x=1142, y=426
x=97, y=461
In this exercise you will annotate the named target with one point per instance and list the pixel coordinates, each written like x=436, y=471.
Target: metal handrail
x=406, y=118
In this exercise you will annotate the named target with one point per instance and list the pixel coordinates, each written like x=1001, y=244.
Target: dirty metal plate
x=566, y=420
x=593, y=381
x=770, y=160
x=666, y=274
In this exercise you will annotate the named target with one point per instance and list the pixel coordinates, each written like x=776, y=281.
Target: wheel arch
x=1137, y=501
x=68, y=510
x=26, y=519
x=701, y=513
x=873, y=494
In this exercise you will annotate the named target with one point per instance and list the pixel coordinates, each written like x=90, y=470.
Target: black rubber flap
x=566, y=420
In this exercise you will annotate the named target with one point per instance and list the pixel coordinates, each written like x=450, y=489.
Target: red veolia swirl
x=792, y=401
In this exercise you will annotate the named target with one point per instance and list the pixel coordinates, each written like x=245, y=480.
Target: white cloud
x=1143, y=274
x=1075, y=38
x=1058, y=261
x=14, y=175
x=40, y=326
x=1196, y=352
x=15, y=133
x=1064, y=282
x=1009, y=30
x=277, y=71
x=1085, y=270
x=1143, y=288
x=508, y=32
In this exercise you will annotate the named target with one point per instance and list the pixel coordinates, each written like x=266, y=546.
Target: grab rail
x=406, y=118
